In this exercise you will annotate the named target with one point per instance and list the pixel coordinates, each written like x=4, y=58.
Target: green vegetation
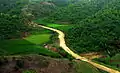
x=29, y=71
x=113, y=67
x=112, y=62
x=83, y=67
x=18, y=36
x=54, y=25
x=12, y=23
x=32, y=43
x=60, y=26
x=11, y=26
x=38, y=39
x=28, y=45
x=76, y=12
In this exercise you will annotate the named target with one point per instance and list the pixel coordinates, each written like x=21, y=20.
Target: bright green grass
x=57, y=26
x=29, y=71
x=38, y=39
x=29, y=45
x=60, y=26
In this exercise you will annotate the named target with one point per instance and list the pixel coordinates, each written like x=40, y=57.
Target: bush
x=29, y=71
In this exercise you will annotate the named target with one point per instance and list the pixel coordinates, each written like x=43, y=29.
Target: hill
x=40, y=64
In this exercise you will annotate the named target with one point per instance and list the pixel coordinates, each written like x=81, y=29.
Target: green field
x=29, y=45
x=32, y=44
x=56, y=25
x=38, y=39
x=63, y=27
x=60, y=26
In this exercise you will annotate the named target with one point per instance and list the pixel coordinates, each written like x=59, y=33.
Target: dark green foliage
x=41, y=9
x=6, y=5
x=99, y=32
x=11, y=26
x=75, y=12
x=12, y=23
x=112, y=62
x=60, y=2
x=44, y=8
x=12, y=6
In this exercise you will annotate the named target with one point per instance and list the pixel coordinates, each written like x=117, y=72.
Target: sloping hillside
x=41, y=64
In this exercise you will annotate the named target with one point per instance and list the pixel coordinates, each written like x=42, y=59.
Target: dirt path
x=63, y=45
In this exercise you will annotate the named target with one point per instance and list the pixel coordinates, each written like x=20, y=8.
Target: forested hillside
x=11, y=26
x=96, y=25
x=12, y=23
x=100, y=31
x=44, y=8
x=76, y=12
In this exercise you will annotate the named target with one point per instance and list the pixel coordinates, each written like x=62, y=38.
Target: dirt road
x=63, y=45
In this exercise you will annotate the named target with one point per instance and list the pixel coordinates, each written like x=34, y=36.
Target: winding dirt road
x=63, y=45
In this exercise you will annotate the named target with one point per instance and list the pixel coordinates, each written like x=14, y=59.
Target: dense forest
x=12, y=23
x=11, y=26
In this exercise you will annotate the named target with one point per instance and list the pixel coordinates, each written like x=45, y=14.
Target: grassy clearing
x=39, y=21
x=55, y=25
x=38, y=39
x=62, y=27
x=29, y=45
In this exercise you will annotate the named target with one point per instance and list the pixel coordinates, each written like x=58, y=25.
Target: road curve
x=76, y=56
